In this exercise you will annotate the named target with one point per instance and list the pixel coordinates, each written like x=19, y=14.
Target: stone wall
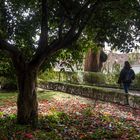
x=98, y=93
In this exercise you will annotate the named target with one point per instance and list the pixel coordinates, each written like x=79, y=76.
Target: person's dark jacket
x=123, y=75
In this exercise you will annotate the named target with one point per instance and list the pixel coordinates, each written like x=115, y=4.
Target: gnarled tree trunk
x=27, y=105
x=92, y=61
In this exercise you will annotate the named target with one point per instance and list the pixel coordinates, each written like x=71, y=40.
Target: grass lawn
x=68, y=117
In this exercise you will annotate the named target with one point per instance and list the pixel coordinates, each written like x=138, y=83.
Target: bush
x=48, y=75
x=94, y=78
x=137, y=81
x=73, y=77
x=8, y=83
x=111, y=79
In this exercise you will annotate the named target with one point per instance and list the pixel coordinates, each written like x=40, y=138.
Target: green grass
x=7, y=95
x=42, y=95
x=13, y=95
x=49, y=95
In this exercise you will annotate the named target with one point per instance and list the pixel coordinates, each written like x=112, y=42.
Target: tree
x=118, y=25
x=57, y=23
x=94, y=59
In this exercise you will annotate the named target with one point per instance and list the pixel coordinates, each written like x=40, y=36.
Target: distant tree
x=94, y=59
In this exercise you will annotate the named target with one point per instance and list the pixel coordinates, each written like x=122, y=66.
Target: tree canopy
x=117, y=24
x=24, y=24
x=28, y=27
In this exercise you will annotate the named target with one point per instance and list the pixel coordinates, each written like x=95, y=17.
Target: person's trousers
x=126, y=87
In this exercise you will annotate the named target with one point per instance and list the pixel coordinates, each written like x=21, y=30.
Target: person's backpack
x=130, y=75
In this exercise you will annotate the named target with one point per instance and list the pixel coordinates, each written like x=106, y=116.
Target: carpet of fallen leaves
x=69, y=117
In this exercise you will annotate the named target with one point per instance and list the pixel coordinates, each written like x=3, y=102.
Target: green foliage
x=72, y=77
x=58, y=117
x=137, y=81
x=21, y=23
x=70, y=58
x=61, y=76
x=8, y=83
x=48, y=75
x=87, y=112
x=112, y=24
x=111, y=78
x=6, y=66
x=94, y=78
x=7, y=73
x=133, y=57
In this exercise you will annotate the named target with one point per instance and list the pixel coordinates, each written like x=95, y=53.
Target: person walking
x=127, y=75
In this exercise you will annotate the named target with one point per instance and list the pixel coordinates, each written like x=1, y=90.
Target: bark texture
x=94, y=60
x=27, y=105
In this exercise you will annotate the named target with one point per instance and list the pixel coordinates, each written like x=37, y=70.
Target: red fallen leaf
x=19, y=132
x=28, y=135
x=129, y=119
x=82, y=136
x=129, y=113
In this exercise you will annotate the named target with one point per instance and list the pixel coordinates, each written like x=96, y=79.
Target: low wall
x=98, y=93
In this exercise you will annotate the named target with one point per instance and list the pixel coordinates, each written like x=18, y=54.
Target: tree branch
x=86, y=20
x=61, y=23
x=69, y=38
x=80, y=12
x=4, y=45
x=43, y=41
x=72, y=36
x=15, y=54
x=65, y=8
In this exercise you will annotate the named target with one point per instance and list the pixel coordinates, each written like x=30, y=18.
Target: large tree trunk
x=92, y=61
x=27, y=105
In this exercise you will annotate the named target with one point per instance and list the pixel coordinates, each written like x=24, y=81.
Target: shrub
x=8, y=83
x=72, y=77
x=137, y=81
x=54, y=76
x=48, y=75
x=111, y=78
x=94, y=78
